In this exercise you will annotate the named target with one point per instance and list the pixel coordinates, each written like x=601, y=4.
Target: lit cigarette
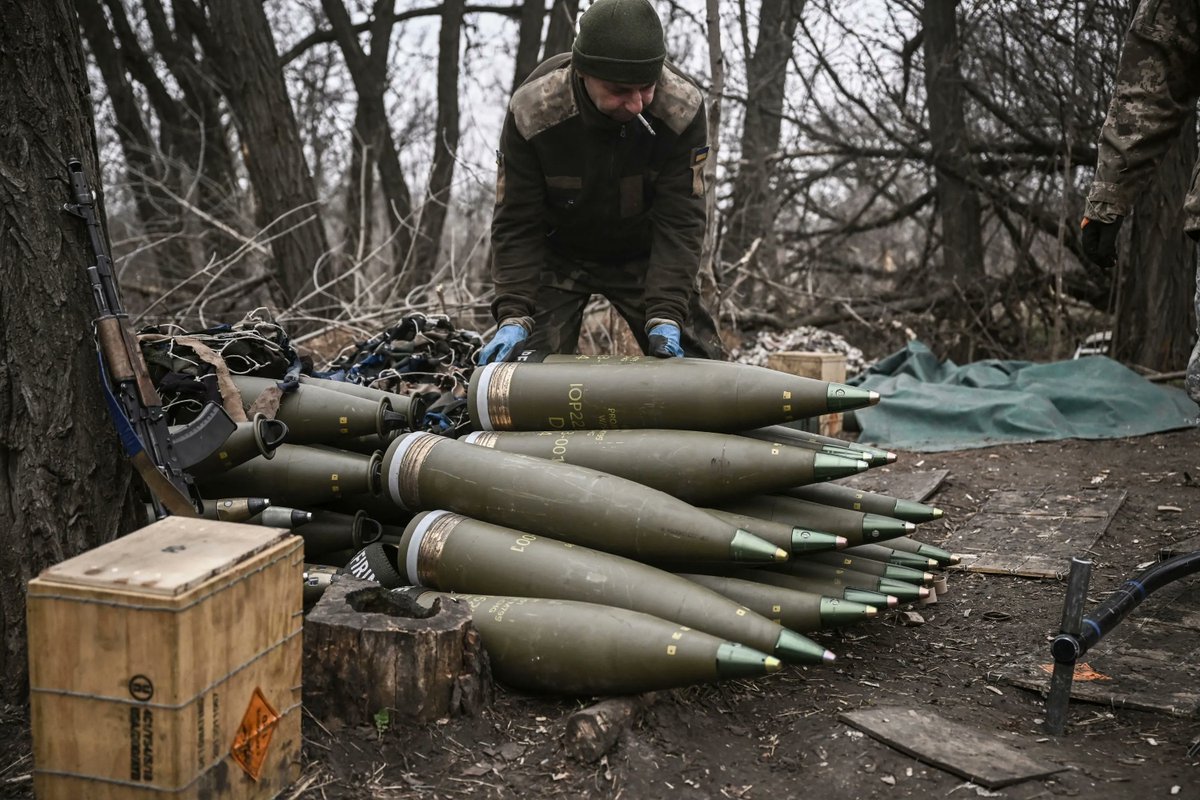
x=646, y=125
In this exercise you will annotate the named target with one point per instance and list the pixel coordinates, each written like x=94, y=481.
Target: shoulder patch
x=676, y=100
x=544, y=102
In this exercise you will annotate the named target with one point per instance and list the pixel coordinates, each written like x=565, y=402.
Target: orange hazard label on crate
x=254, y=735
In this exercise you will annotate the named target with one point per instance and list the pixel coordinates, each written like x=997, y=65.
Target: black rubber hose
x=1117, y=606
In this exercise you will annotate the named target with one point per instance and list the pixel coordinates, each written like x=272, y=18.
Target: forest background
x=893, y=169
x=333, y=160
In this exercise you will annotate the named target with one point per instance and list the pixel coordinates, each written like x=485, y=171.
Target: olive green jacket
x=1158, y=81
x=572, y=180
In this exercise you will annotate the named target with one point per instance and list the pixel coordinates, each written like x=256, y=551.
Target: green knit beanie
x=620, y=41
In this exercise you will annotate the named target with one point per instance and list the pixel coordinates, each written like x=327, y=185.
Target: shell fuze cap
x=620, y=41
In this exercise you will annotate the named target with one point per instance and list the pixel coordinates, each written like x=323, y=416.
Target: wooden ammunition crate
x=822, y=367
x=167, y=664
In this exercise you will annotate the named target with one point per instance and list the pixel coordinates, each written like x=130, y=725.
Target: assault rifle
x=159, y=454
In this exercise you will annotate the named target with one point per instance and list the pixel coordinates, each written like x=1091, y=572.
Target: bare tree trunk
x=561, y=33
x=432, y=218
x=64, y=486
x=754, y=203
x=237, y=40
x=1154, y=314
x=709, y=290
x=200, y=135
x=958, y=204
x=193, y=157
x=137, y=145
x=371, y=143
x=529, y=40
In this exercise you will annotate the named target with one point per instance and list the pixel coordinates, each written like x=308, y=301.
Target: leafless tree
x=64, y=485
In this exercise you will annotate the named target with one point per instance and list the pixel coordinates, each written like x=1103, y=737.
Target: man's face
x=621, y=101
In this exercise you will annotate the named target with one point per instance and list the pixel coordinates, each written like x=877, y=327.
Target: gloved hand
x=664, y=341
x=504, y=344
x=1100, y=241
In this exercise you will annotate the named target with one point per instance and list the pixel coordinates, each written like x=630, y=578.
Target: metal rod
x=1059, y=696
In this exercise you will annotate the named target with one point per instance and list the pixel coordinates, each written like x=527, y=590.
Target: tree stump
x=368, y=650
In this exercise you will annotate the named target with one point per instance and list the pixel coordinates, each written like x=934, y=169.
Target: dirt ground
x=780, y=737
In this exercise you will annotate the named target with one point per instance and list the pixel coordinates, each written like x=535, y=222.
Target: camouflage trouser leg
x=1192, y=381
x=568, y=285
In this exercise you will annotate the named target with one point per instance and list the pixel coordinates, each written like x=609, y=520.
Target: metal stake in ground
x=1059, y=696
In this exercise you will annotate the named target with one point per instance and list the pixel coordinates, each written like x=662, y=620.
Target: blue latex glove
x=664, y=341
x=504, y=344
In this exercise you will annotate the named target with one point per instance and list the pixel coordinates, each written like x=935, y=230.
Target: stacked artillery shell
x=234, y=509
x=298, y=475
x=410, y=408
x=789, y=537
x=803, y=568
x=281, y=517
x=799, y=611
x=828, y=586
x=564, y=646
x=258, y=437
x=871, y=567
x=839, y=496
x=888, y=555
x=911, y=545
x=318, y=415
x=815, y=441
x=317, y=578
x=330, y=532
x=676, y=393
x=583, y=468
x=446, y=551
x=378, y=506
x=856, y=526
x=423, y=471
x=692, y=465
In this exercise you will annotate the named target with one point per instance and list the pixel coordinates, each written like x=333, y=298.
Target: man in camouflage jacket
x=1158, y=81
x=600, y=190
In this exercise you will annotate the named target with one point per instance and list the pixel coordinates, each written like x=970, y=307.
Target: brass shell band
x=482, y=438
x=499, y=388
x=432, y=544
x=404, y=467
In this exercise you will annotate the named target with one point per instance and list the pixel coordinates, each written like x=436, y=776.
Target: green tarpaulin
x=929, y=405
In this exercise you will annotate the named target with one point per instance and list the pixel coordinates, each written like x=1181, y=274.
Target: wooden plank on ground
x=1046, y=502
x=1027, y=566
x=960, y=749
x=1034, y=532
x=905, y=484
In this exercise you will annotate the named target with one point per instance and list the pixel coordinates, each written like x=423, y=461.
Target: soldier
x=1158, y=81
x=600, y=190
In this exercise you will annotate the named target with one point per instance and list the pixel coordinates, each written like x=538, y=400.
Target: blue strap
x=130, y=442
x=441, y=421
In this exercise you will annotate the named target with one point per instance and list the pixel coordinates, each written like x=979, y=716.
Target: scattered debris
x=803, y=338
x=592, y=732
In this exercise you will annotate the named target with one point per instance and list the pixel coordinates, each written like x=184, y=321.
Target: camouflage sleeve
x=518, y=226
x=1158, y=80
x=677, y=219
